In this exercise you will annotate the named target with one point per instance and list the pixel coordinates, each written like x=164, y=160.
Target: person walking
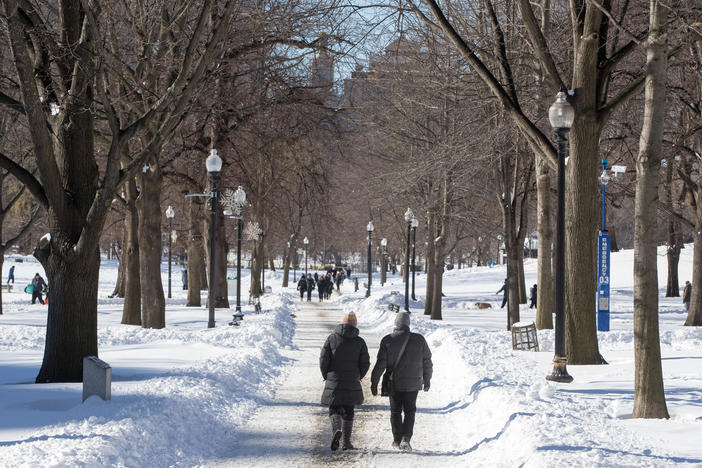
x=184, y=278
x=505, y=296
x=321, y=287
x=687, y=292
x=302, y=286
x=344, y=361
x=329, y=283
x=406, y=360
x=309, y=287
x=11, y=275
x=38, y=284
x=532, y=299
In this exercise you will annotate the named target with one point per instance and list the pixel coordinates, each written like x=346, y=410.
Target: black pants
x=345, y=411
x=302, y=293
x=37, y=295
x=11, y=278
x=399, y=402
x=504, y=300
x=309, y=295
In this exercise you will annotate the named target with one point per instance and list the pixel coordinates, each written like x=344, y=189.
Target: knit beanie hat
x=350, y=319
x=402, y=320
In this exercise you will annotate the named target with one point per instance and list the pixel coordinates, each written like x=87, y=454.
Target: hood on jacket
x=345, y=330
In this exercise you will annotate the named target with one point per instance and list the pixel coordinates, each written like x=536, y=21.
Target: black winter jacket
x=344, y=361
x=415, y=367
x=302, y=284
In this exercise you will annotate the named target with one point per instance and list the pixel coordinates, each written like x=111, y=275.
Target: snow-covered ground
x=182, y=396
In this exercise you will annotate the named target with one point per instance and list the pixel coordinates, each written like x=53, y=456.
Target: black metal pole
x=170, y=240
x=383, y=268
x=368, y=291
x=560, y=373
x=407, y=262
x=414, y=242
x=213, y=222
x=239, y=227
x=305, y=260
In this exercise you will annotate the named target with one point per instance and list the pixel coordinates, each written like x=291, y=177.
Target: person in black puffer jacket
x=413, y=373
x=344, y=361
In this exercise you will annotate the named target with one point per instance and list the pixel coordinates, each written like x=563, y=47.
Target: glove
x=374, y=389
x=426, y=387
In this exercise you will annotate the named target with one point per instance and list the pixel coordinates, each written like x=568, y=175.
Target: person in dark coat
x=532, y=299
x=321, y=287
x=11, y=275
x=329, y=283
x=184, y=278
x=302, y=286
x=413, y=373
x=38, y=284
x=310, y=287
x=687, y=292
x=505, y=296
x=344, y=361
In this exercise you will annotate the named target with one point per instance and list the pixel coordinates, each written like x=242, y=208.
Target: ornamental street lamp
x=561, y=115
x=603, y=260
x=169, y=216
x=383, y=266
x=409, y=215
x=369, y=228
x=305, y=241
x=213, y=163
x=414, y=223
x=234, y=201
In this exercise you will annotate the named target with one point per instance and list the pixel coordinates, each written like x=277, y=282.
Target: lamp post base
x=210, y=324
x=559, y=373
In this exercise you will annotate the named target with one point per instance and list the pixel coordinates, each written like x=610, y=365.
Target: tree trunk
x=196, y=255
x=581, y=218
x=131, y=310
x=121, y=267
x=431, y=231
x=2, y=261
x=649, y=395
x=520, y=274
x=694, y=315
x=513, y=260
x=674, y=237
x=437, y=277
x=545, y=296
x=256, y=266
x=153, y=303
x=71, y=326
x=221, y=251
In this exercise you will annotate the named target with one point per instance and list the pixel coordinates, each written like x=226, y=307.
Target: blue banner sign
x=603, y=281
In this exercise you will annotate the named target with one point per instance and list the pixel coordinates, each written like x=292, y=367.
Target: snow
x=248, y=395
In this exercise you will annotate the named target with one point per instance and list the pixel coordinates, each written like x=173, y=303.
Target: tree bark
x=649, y=395
x=694, y=315
x=437, y=280
x=545, y=296
x=131, y=309
x=431, y=234
x=674, y=237
x=196, y=255
x=153, y=302
x=121, y=272
x=520, y=274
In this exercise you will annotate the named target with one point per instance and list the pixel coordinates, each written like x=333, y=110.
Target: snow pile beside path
x=167, y=416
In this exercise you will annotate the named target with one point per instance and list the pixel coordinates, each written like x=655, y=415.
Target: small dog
x=483, y=305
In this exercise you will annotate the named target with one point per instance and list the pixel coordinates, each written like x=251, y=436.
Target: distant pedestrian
x=310, y=287
x=11, y=275
x=329, y=284
x=355, y=284
x=343, y=361
x=687, y=292
x=406, y=358
x=322, y=287
x=302, y=286
x=38, y=285
x=505, y=296
x=184, y=278
x=532, y=299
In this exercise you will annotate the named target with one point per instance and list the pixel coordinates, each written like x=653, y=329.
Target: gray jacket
x=415, y=366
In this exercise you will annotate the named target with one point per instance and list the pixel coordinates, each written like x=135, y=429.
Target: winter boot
x=348, y=427
x=336, y=430
x=405, y=445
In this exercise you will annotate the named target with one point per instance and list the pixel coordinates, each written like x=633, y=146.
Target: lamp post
x=235, y=200
x=213, y=163
x=369, y=228
x=414, y=223
x=169, y=216
x=408, y=217
x=383, y=266
x=263, y=263
x=561, y=115
x=305, y=241
x=603, y=260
